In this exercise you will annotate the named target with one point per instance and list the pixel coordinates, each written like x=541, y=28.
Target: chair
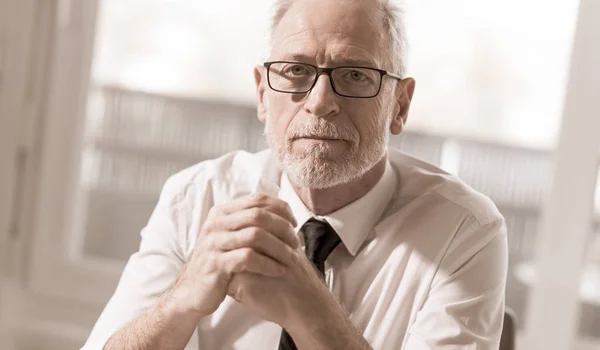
x=509, y=331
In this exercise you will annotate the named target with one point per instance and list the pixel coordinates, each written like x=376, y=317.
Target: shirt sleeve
x=149, y=272
x=465, y=305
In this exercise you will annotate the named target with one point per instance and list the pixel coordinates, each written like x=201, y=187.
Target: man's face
x=323, y=139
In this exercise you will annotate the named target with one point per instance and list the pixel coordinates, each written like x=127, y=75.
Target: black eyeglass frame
x=329, y=71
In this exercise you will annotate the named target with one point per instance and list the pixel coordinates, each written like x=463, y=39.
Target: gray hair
x=393, y=22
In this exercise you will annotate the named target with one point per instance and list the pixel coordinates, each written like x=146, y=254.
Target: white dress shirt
x=422, y=264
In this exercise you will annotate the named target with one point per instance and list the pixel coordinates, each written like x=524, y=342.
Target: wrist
x=334, y=331
x=313, y=317
x=175, y=307
x=312, y=333
x=326, y=325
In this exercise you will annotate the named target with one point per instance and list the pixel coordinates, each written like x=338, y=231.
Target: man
x=328, y=240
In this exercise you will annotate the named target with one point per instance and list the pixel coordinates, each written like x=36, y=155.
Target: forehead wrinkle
x=314, y=45
x=318, y=37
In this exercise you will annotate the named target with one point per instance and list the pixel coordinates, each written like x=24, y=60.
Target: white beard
x=315, y=167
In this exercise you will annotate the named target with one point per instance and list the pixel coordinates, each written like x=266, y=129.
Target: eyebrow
x=298, y=57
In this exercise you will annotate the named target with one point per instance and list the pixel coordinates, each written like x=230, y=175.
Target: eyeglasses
x=347, y=81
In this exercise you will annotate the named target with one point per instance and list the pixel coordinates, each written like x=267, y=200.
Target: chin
x=320, y=151
x=319, y=171
x=320, y=165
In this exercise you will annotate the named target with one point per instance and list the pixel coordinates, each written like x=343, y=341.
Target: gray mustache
x=322, y=130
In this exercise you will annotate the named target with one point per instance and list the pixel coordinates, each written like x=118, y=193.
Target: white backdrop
x=494, y=69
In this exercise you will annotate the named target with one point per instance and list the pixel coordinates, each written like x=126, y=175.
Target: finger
x=261, y=218
x=260, y=240
x=248, y=260
x=260, y=200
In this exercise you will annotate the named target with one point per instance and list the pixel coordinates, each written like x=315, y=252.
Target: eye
x=297, y=70
x=357, y=75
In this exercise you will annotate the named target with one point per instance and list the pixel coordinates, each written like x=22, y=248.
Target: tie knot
x=320, y=240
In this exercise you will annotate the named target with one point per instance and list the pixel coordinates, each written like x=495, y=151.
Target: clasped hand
x=248, y=249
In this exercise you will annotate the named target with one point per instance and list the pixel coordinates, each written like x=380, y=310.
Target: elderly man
x=328, y=240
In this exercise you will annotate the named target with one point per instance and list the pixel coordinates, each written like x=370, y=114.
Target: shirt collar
x=368, y=208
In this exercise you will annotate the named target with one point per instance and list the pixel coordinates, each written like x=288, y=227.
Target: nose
x=321, y=100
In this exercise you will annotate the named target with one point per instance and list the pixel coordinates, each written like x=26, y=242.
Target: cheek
x=365, y=116
x=280, y=113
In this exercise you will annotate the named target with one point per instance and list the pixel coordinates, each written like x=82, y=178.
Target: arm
x=253, y=233
x=465, y=306
x=331, y=328
x=161, y=327
x=148, y=273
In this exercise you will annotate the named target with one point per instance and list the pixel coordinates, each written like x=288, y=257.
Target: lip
x=318, y=138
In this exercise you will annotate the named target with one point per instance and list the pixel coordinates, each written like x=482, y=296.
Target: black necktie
x=320, y=240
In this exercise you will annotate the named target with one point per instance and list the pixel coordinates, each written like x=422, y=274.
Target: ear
x=260, y=79
x=404, y=95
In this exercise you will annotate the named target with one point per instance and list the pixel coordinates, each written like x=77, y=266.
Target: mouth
x=318, y=138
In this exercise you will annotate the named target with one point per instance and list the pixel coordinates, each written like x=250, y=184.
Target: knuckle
x=247, y=255
x=238, y=264
x=214, y=211
x=208, y=243
x=243, y=266
x=285, y=206
x=259, y=197
x=254, y=234
x=293, y=256
x=209, y=225
x=256, y=214
x=290, y=228
x=213, y=243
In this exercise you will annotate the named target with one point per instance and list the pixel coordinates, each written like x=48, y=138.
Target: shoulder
x=421, y=181
x=453, y=222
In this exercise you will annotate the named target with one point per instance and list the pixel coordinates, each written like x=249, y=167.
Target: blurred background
x=101, y=100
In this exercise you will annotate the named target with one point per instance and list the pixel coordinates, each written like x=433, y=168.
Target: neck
x=327, y=200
